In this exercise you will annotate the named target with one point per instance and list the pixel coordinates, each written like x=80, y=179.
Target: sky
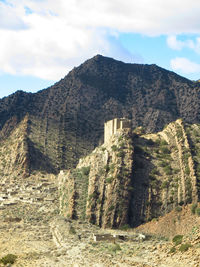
x=42, y=40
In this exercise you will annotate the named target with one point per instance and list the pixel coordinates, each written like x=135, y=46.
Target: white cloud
x=176, y=44
x=184, y=65
x=9, y=19
x=54, y=35
x=50, y=48
x=150, y=17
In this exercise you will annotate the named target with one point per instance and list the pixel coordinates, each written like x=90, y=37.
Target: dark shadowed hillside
x=65, y=121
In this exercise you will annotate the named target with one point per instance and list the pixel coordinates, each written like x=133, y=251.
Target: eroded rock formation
x=134, y=177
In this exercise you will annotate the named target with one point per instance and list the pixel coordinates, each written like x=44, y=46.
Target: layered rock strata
x=134, y=177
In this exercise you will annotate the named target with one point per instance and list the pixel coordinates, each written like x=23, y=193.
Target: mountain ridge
x=66, y=119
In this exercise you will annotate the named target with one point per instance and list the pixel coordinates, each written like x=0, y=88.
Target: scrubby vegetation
x=177, y=240
x=184, y=247
x=8, y=259
x=193, y=208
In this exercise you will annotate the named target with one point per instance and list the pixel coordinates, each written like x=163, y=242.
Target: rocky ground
x=32, y=230
x=34, y=244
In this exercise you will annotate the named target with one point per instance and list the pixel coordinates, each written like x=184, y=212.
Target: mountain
x=62, y=185
x=65, y=121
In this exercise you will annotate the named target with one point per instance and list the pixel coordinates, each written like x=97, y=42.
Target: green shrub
x=101, y=171
x=120, y=138
x=197, y=211
x=112, y=168
x=122, y=145
x=163, y=143
x=172, y=250
x=120, y=154
x=165, y=184
x=193, y=208
x=168, y=170
x=166, y=156
x=109, y=180
x=154, y=171
x=125, y=227
x=72, y=230
x=177, y=239
x=187, y=170
x=163, y=164
x=114, y=248
x=111, y=208
x=165, y=150
x=184, y=247
x=157, y=141
x=175, y=170
x=196, y=133
x=154, y=183
x=107, y=168
x=93, y=196
x=86, y=170
x=114, y=148
x=179, y=133
x=178, y=208
x=181, y=203
x=8, y=259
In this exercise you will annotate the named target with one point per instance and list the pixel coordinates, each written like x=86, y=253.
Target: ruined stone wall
x=111, y=127
x=108, y=130
x=124, y=123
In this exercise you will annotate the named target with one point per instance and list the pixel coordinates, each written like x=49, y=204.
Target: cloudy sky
x=42, y=40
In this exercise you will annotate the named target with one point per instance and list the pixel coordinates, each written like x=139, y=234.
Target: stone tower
x=111, y=127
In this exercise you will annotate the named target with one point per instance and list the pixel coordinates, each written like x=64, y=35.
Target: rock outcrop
x=14, y=152
x=99, y=189
x=134, y=177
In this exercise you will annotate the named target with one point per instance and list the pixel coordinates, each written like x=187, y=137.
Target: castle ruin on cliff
x=113, y=126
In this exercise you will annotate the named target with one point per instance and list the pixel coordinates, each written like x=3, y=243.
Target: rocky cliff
x=66, y=120
x=99, y=189
x=134, y=177
x=14, y=152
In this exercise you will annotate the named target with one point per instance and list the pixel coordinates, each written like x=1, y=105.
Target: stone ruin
x=113, y=126
x=119, y=237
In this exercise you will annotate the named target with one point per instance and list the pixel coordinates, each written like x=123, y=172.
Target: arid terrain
x=32, y=229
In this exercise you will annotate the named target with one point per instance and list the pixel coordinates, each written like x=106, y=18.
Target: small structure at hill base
x=113, y=126
x=119, y=237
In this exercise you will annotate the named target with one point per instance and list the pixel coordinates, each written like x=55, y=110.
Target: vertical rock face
x=14, y=151
x=166, y=172
x=134, y=177
x=101, y=187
